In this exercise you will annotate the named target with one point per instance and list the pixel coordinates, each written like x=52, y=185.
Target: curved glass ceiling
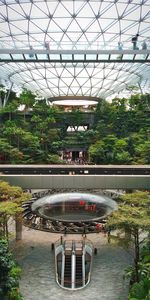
x=80, y=25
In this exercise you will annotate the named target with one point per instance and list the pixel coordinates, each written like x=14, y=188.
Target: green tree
x=13, y=133
x=54, y=159
x=75, y=118
x=11, y=154
x=110, y=141
x=143, y=152
x=97, y=152
x=141, y=290
x=103, y=118
x=133, y=216
x=27, y=98
x=11, y=198
x=121, y=155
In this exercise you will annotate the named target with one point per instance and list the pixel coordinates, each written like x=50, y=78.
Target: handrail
x=73, y=245
x=73, y=269
x=62, y=268
x=83, y=267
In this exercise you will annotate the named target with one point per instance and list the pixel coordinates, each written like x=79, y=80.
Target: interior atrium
x=75, y=138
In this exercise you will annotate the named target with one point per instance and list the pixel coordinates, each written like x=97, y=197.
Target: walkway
x=36, y=258
x=74, y=55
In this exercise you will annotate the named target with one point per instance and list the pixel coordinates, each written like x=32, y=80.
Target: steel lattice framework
x=80, y=25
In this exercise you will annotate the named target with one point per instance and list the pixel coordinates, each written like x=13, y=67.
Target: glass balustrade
x=83, y=46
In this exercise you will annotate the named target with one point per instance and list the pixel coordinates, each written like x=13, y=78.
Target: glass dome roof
x=65, y=24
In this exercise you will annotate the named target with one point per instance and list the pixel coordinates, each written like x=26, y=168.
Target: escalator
x=73, y=260
x=67, y=271
x=78, y=272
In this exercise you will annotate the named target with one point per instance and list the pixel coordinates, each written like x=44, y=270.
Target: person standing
x=84, y=232
x=134, y=42
x=144, y=45
x=120, y=45
x=65, y=231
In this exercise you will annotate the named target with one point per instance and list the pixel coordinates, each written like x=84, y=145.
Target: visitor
x=144, y=45
x=61, y=239
x=65, y=231
x=134, y=42
x=84, y=232
x=98, y=227
x=95, y=251
x=31, y=55
x=46, y=45
x=120, y=46
x=108, y=235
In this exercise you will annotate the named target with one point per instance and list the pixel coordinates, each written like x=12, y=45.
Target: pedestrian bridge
x=75, y=55
x=77, y=176
x=63, y=52
x=79, y=181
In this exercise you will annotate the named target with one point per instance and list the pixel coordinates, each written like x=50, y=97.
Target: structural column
x=18, y=221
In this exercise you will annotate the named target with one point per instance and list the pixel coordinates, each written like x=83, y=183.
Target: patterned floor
x=34, y=254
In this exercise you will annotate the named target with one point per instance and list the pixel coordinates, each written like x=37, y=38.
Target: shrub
x=9, y=274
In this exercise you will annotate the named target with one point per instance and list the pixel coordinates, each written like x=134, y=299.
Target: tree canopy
x=133, y=216
x=118, y=134
x=11, y=198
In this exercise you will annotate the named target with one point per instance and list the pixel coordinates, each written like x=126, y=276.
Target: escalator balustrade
x=73, y=260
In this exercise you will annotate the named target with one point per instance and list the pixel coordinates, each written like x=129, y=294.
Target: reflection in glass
x=73, y=207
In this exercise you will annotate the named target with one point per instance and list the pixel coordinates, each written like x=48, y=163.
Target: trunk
x=10, y=141
x=18, y=226
x=45, y=147
x=10, y=116
x=128, y=234
x=5, y=226
x=18, y=143
x=24, y=115
x=137, y=254
x=6, y=229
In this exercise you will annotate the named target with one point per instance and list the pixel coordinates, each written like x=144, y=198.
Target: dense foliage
x=123, y=134
x=9, y=274
x=141, y=290
x=118, y=134
x=11, y=198
x=133, y=217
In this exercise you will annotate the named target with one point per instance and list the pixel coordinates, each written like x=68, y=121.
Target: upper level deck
x=76, y=169
x=77, y=176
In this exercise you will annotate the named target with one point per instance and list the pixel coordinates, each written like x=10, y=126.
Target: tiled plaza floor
x=36, y=258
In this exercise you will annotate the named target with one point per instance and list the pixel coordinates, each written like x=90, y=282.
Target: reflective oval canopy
x=74, y=207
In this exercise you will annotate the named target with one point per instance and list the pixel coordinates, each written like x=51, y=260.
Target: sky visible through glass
x=79, y=25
